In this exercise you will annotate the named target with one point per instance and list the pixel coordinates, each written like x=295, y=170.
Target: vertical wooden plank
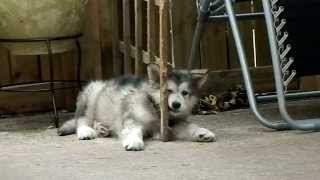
x=24, y=68
x=151, y=28
x=69, y=73
x=45, y=67
x=57, y=75
x=126, y=36
x=5, y=66
x=106, y=32
x=214, y=47
x=139, y=70
x=309, y=83
x=262, y=45
x=164, y=54
x=115, y=39
x=91, y=43
x=183, y=24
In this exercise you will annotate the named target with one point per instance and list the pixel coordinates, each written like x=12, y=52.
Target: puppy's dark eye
x=184, y=93
x=169, y=91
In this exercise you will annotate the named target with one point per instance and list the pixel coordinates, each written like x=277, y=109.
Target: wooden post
x=5, y=66
x=92, y=42
x=115, y=39
x=164, y=54
x=126, y=36
x=138, y=37
x=151, y=28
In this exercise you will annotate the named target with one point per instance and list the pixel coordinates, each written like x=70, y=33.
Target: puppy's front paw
x=133, y=143
x=86, y=133
x=204, y=135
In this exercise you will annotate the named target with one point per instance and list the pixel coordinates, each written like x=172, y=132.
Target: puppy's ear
x=199, y=77
x=154, y=72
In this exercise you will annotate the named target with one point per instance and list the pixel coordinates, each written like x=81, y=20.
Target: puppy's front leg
x=132, y=137
x=84, y=131
x=192, y=132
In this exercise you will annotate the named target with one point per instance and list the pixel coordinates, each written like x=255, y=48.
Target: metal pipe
x=311, y=124
x=11, y=87
x=288, y=96
x=56, y=118
x=242, y=16
x=39, y=39
x=245, y=72
x=204, y=12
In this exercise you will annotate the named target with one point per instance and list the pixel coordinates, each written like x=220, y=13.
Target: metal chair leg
x=308, y=124
x=246, y=74
x=204, y=13
x=288, y=123
x=56, y=116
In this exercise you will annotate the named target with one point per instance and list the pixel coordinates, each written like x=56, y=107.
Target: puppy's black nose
x=176, y=105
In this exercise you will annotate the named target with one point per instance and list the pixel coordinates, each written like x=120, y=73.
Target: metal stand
x=207, y=10
x=16, y=87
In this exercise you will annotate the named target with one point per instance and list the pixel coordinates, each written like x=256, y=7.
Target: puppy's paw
x=133, y=143
x=204, y=135
x=86, y=133
x=102, y=130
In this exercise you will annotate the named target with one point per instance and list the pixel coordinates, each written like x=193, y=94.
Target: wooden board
x=106, y=31
x=24, y=68
x=164, y=55
x=183, y=24
x=91, y=43
x=117, y=61
x=5, y=66
x=126, y=36
x=262, y=78
x=57, y=75
x=151, y=29
x=69, y=72
x=214, y=47
x=139, y=67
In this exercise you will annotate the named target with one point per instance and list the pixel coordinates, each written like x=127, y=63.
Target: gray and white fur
x=128, y=107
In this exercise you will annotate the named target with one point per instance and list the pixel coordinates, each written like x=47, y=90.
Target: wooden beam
x=69, y=65
x=156, y=2
x=164, y=56
x=126, y=36
x=92, y=40
x=145, y=55
x=151, y=29
x=5, y=66
x=139, y=70
x=116, y=60
x=220, y=81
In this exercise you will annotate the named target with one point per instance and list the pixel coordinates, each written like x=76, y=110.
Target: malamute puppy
x=128, y=107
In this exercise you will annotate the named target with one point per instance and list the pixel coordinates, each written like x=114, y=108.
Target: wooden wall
x=217, y=49
x=17, y=69
x=217, y=52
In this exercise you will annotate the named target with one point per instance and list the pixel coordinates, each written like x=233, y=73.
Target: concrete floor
x=244, y=150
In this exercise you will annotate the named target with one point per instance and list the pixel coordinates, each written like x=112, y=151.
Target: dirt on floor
x=30, y=149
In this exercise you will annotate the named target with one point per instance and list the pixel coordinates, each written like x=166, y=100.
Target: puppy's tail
x=69, y=127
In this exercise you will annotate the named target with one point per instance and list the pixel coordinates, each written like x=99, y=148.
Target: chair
x=279, y=15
